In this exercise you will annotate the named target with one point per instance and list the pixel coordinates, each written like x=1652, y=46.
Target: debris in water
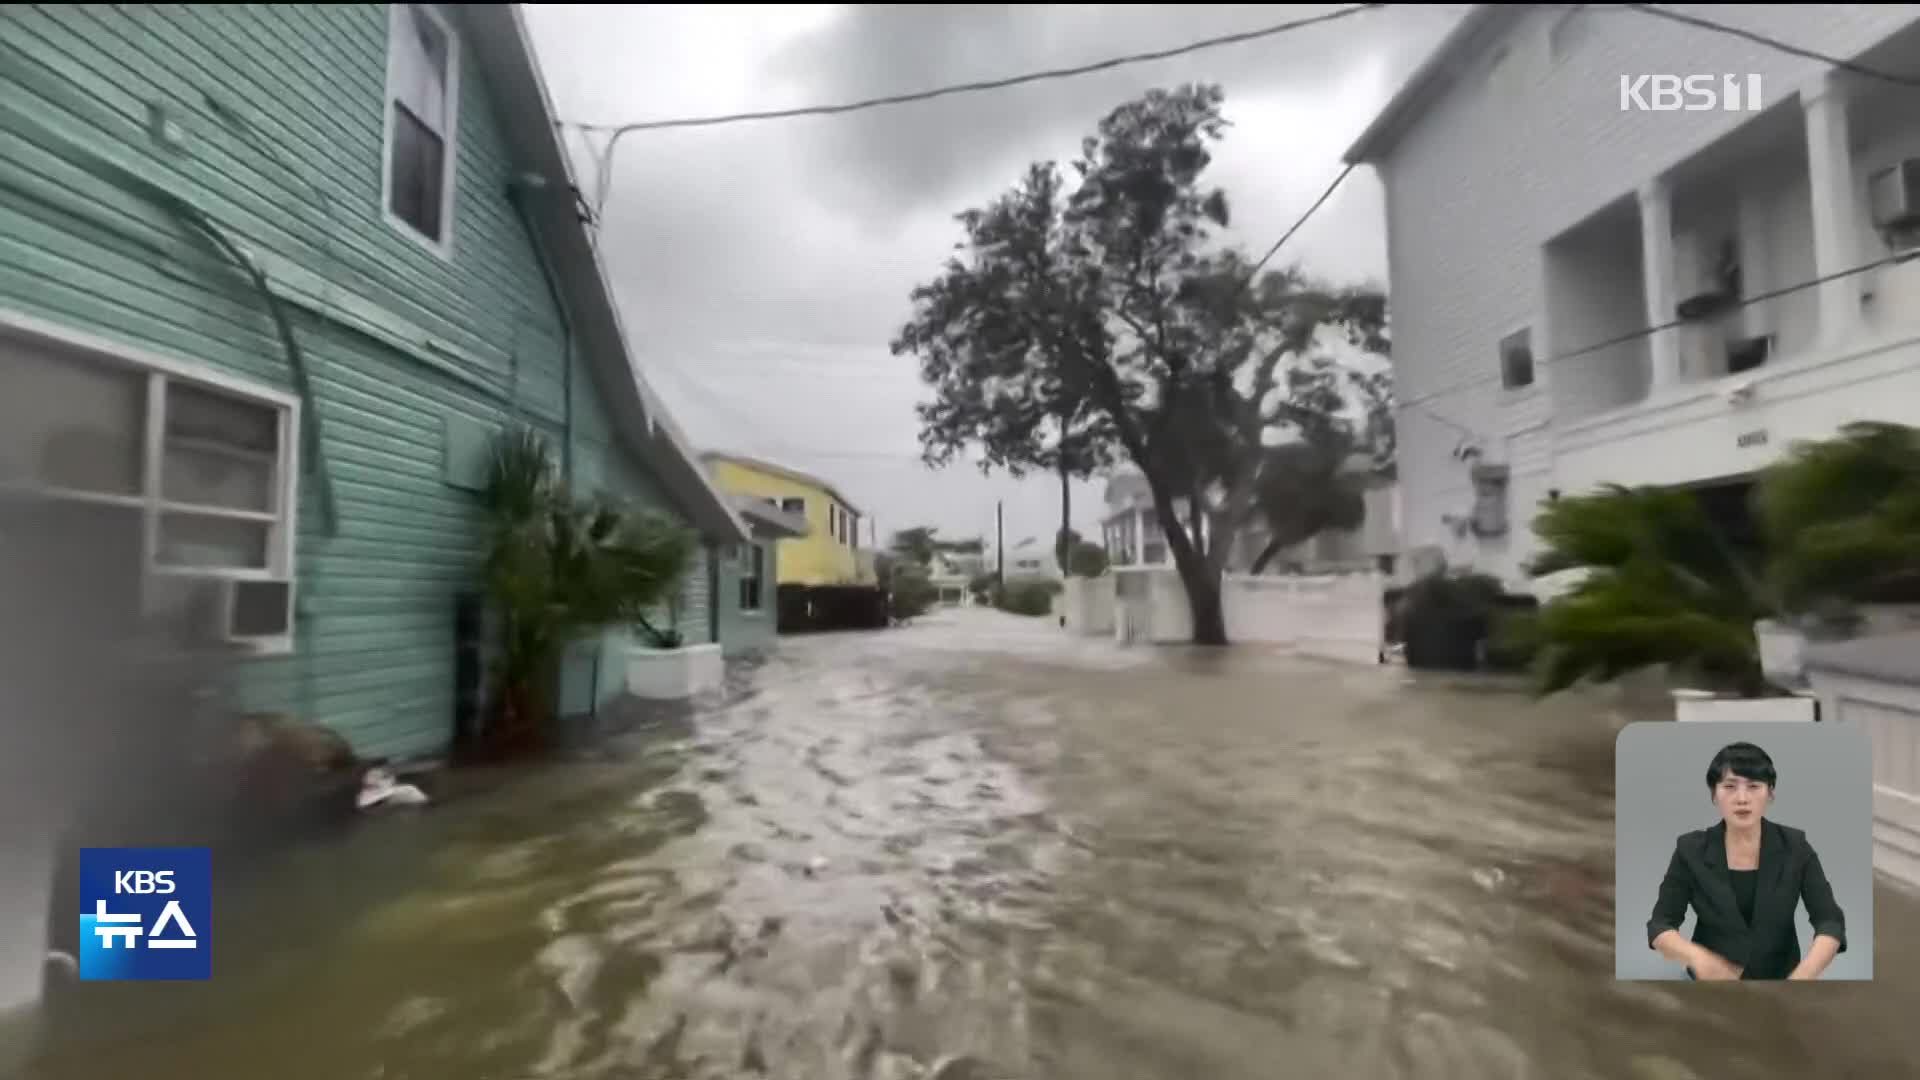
x=1489, y=877
x=380, y=788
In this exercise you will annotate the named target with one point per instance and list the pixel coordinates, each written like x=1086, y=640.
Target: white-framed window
x=422, y=124
x=753, y=568
x=204, y=464
x=1516, y=359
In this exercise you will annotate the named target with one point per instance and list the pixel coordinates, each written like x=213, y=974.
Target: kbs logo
x=146, y=913
x=141, y=882
x=1690, y=93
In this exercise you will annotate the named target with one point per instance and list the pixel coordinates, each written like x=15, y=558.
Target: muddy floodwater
x=974, y=848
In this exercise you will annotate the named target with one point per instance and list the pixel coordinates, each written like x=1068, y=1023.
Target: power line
x=603, y=157
x=980, y=85
x=1311, y=210
x=1703, y=23
x=1633, y=335
x=1776, y=44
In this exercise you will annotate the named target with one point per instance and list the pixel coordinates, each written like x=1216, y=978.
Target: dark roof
x=497, y=37
x=791, y=473
x=1480, y=24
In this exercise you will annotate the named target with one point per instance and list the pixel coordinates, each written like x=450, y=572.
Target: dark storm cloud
x=920, y=155
x=762, y=268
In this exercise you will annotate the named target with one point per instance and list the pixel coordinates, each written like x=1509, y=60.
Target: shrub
x=557, y=567
x=1027, y=597
x=911, y=592
x=1446, y=619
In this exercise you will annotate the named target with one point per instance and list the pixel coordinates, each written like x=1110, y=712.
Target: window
x=752, y=571
x=205, y=462
x=1516, y=359
x=833, y=521
x=1154, y=552
x=423, y=69
x=794, y=506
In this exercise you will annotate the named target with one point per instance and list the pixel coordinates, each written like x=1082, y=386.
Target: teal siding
x=282, y=114
x=745, y=632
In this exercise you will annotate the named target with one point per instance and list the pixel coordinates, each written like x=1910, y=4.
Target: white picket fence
x=1338, y=616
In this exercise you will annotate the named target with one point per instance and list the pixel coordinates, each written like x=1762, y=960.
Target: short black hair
x=1744, y=760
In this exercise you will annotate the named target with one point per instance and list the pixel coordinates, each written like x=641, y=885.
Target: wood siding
x=280, y=112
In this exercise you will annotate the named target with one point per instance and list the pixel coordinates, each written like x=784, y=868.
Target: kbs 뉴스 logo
x=146, y=913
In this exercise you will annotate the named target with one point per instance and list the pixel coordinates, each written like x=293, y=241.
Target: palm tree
x=1842, y=517
x=557, y=569
x=1660, y=585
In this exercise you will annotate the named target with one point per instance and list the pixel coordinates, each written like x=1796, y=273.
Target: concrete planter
x=674, y=674
x=1690, y=705
x=1783, y=652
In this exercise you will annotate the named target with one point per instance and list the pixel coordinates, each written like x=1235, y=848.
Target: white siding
x=1494, y=168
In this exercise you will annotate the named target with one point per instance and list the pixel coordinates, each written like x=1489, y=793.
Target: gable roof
x=777, y=469
x=767, y=520
x=1480, y=24
x=497, y=37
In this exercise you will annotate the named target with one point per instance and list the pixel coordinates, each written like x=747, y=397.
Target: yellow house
x=830, y=553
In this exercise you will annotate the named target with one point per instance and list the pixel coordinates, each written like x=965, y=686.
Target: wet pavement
x=976, y=848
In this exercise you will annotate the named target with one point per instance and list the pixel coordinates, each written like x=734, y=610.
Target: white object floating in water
x=379, y=787
x=1489, y=877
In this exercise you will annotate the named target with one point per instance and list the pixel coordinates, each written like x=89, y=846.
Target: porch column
x=1836, y=205
x=1657, y=275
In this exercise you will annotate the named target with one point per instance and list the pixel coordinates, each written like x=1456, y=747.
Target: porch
x=1716, y=253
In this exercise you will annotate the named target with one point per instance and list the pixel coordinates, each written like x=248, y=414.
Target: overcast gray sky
x=763, y=267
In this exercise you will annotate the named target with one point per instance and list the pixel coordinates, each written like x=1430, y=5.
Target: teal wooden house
x=271, y=279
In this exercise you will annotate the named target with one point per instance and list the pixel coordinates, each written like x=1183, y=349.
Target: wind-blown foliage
x=1661, y=586
x=1842, y=518
x=1104, y=310
x=556, y=568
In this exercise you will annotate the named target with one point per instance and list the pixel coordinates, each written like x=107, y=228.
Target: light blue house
x=271, y=278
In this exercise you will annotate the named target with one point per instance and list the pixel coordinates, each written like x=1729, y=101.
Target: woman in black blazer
x=1744, y=878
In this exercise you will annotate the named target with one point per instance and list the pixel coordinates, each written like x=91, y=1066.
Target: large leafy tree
x=1010, y=321
x=1103, y=311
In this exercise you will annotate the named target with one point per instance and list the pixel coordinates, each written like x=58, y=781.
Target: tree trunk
x=1198, y=576
x=1204, y=604
x=1062, y=546
x=1266, y=555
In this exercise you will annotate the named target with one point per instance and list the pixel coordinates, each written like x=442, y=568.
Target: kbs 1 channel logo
x=146, y=913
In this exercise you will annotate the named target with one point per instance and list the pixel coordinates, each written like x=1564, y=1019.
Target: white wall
x=1494, y=168
x=1150, y=605
x=1891, y=714
x=1088, y=605
x=1335, y=616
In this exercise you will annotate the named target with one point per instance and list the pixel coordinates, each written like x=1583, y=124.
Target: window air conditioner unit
x=1706, y=276
x=253, y=611
x=1893, y=193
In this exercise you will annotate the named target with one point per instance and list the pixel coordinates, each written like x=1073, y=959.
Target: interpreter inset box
x=1743, y=851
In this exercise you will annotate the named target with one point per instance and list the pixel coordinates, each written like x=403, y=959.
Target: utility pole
x=1000, y=540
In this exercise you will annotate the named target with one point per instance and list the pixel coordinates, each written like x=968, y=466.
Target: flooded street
x=976, y=848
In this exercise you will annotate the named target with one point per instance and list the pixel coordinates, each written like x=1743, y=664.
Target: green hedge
x=1031, y=597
